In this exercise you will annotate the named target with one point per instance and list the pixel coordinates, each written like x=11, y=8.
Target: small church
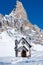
x=22, y=48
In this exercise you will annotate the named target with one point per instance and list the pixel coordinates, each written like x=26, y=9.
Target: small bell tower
x=16, y=45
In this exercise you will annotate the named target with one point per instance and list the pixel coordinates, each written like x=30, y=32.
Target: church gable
x=23, y=42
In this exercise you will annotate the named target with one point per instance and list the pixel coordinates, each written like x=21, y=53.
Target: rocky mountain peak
x=19, y=10
x=20, y=13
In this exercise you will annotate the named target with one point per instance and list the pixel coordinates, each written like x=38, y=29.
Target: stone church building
x=22, y=48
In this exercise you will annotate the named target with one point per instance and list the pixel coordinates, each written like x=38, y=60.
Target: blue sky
x=34, y=9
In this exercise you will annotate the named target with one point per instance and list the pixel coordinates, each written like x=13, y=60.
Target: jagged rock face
x=17, y=18
x=20, y=11
x=21, y=14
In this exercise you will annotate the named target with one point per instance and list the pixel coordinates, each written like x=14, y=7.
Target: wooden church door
x=23, y=53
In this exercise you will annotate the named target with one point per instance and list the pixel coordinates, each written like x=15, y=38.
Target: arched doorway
x=23, y=53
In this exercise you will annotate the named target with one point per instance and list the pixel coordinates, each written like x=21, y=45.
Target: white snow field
x=35, y=59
